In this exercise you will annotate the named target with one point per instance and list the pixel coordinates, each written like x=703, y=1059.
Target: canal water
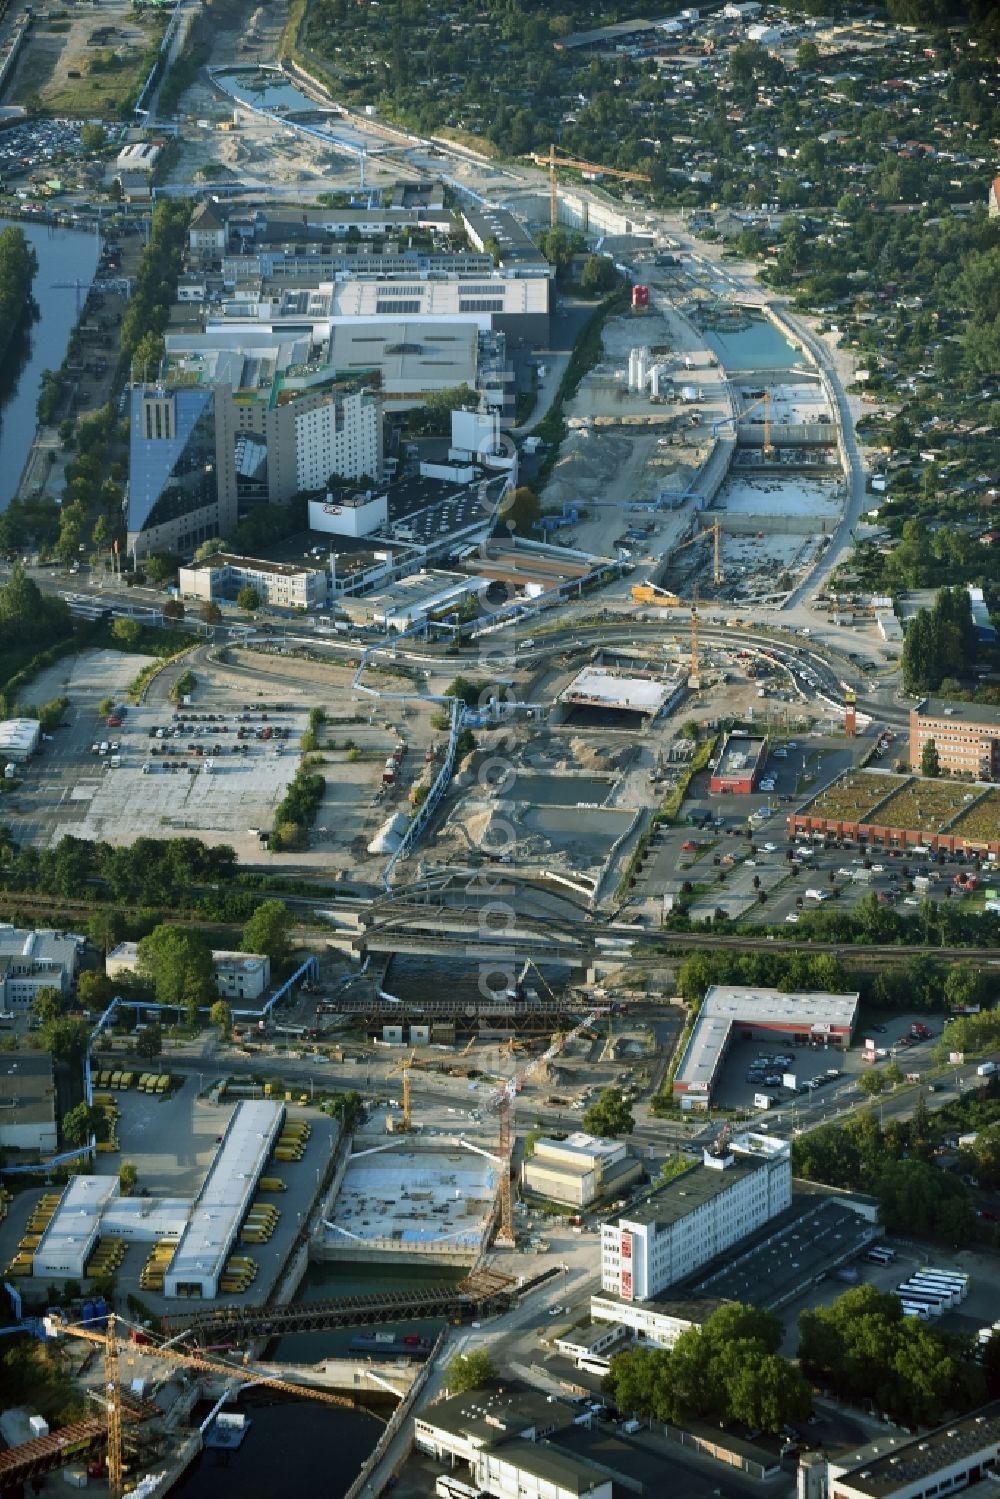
x=298, y=1446
x=757, y=347
x=64, y=255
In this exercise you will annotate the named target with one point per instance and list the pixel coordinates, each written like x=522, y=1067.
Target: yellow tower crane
x=110, y=1342
x=558, y=158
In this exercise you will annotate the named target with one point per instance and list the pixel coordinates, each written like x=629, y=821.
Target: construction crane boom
x=109, y=1341
x=562, y=159
x=503, y=1101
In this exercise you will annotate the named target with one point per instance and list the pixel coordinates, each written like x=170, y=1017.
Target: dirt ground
x=61, y=47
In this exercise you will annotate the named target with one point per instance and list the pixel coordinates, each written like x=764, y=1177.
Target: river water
x=63, y=255
x=298, y=1447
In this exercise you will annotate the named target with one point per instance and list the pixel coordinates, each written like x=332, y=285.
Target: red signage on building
x=626, y=1246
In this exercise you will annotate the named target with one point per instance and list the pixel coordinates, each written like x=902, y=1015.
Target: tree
x=160, y=570
x=221, y=1016
x=598, y=275
x=930, y=764
x=610, y=1116
x=94, y=991
x=470, y=1371
x=83, y=1122
x=248, y=598
x=47, y=1004
x=173, y=610
x=267, y=931
x=180, y=966
x=521, y=509
x=872, y=1083
x=209, y=548
x=918, y=1199
x=66, y=1039
x=210, y=612
x=149, y=1042
x=128, y=1177
x=127, y=631
x=92, y=138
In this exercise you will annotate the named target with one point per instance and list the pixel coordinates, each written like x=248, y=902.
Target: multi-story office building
x=228, y=425
x=966, y=737
x=699, y=1214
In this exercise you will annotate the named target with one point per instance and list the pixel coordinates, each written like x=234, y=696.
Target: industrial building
x=19, y=739
x=67, y=1242
x=28, y=1102
x=679, y=1227
x=409, y=600
x=350, y=514
x=239, y=975
x=966, y=737
x=757, y=1014
x=30, y=961
x=281, y=585
x=220, y=1207
x=943, y=1461
x=518, y=306
x=505, y=1437
x=411, y=358
x=740, y=764
x=508, y=240
x=659, y=1321
x=579, y=1170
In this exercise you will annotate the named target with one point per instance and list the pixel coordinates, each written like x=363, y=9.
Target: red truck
x=919, y=1031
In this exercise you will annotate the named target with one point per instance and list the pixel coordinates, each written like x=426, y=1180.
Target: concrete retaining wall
x=395, y=1422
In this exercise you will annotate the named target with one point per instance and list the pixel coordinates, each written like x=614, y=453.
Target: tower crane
x=558, y=158
x=110, y=1342
x=737, y=416
x=503, y=1101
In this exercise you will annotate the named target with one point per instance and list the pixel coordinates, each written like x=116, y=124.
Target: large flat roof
x=607, y=687
x=972, y=715
x=78, y=1216
x=726, y=1005
x=228, y=1186
x=27, y=1088
x=893, y=1465
x=414, y=355
x=688, y=1192
x=740, y=754
x=452, y=298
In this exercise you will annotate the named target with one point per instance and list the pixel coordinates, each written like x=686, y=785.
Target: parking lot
x=216, y=768
x=171, y=1140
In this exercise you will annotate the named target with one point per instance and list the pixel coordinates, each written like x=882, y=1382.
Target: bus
x=448, y=1487
x=911, y=1309
x=957, y=1277
x=939, y=1287
x=907, y=1292
x=880, y=1254
x=948, y=1294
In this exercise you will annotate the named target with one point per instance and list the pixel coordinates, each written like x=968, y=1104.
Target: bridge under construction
x=481, y=1291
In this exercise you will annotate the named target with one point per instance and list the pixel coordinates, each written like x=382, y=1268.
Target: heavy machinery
x=558, y=158
x=109, y=1340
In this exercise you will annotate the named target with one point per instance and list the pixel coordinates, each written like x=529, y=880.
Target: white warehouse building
x=228, y=1191
x=695, y=1217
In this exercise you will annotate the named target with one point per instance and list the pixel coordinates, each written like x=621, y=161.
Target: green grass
x=113, y=90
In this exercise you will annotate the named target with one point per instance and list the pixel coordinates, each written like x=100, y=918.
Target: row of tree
x=940, y=642
x=728, y=1370
x=862, y=1348
x=18, y=265
x=892, y=1161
